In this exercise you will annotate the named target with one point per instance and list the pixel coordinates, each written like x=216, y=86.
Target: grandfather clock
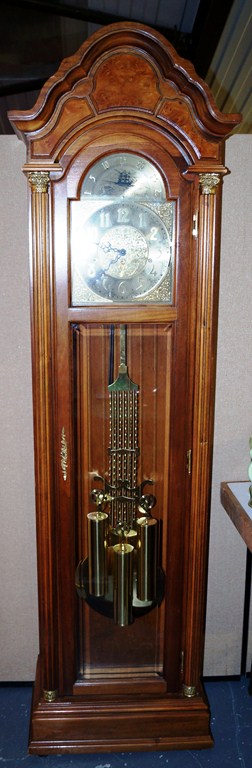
x=125, y=159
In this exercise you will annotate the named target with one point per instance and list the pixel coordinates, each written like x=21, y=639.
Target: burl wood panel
x=105, y=77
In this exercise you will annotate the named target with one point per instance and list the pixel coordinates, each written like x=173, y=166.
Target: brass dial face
x=122, y=233
x=127, y=251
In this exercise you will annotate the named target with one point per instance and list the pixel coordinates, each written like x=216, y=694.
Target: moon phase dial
x=124, y=175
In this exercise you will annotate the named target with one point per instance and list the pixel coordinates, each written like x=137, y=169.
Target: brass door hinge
x=195, y=225
x=189, y=461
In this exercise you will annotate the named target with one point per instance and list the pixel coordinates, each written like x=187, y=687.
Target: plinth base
x=109, y=724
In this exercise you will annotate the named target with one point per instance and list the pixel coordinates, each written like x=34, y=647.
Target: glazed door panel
x=136, y=650
x=148, y=650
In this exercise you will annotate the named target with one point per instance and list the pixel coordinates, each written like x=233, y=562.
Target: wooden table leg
x=245, y=630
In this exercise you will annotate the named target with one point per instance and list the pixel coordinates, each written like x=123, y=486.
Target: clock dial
x=127, y=252
x=122, y=233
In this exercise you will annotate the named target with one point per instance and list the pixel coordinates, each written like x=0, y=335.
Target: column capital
x=39, y=180
x=209, y=183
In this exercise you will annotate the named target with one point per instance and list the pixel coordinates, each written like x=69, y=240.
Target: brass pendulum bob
x=97, y=552
x=123, y=583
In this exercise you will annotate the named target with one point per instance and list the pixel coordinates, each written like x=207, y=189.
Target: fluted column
x=41, y=293
x=208, y=235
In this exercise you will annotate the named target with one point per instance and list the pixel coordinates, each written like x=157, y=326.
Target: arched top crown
x=121, y=69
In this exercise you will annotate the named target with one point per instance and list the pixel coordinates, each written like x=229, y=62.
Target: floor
x=231, y=708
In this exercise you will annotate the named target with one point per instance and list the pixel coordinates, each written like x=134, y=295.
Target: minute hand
x=108, y=248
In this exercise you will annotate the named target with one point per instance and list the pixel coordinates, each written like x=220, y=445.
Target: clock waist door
x=142, y=650
x=122, y=434
x=127, y=454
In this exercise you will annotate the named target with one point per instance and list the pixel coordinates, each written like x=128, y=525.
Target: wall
x=18, y=602
x=233, y=413
x=233, y=423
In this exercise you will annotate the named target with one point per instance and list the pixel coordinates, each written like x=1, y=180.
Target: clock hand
x=107, y=247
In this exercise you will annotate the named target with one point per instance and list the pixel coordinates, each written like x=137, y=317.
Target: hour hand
x=108, y=248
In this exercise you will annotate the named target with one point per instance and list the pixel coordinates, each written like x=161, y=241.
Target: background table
x=234, y=499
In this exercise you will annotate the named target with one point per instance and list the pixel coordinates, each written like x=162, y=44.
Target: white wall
x=233, y=413
x=18, y=602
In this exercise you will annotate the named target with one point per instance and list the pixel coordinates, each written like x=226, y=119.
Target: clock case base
x=93, y=724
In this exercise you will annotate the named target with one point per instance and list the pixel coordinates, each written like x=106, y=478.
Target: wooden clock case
x=125, y=91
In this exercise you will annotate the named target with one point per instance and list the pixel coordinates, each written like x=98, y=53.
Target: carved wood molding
x=125, y=68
